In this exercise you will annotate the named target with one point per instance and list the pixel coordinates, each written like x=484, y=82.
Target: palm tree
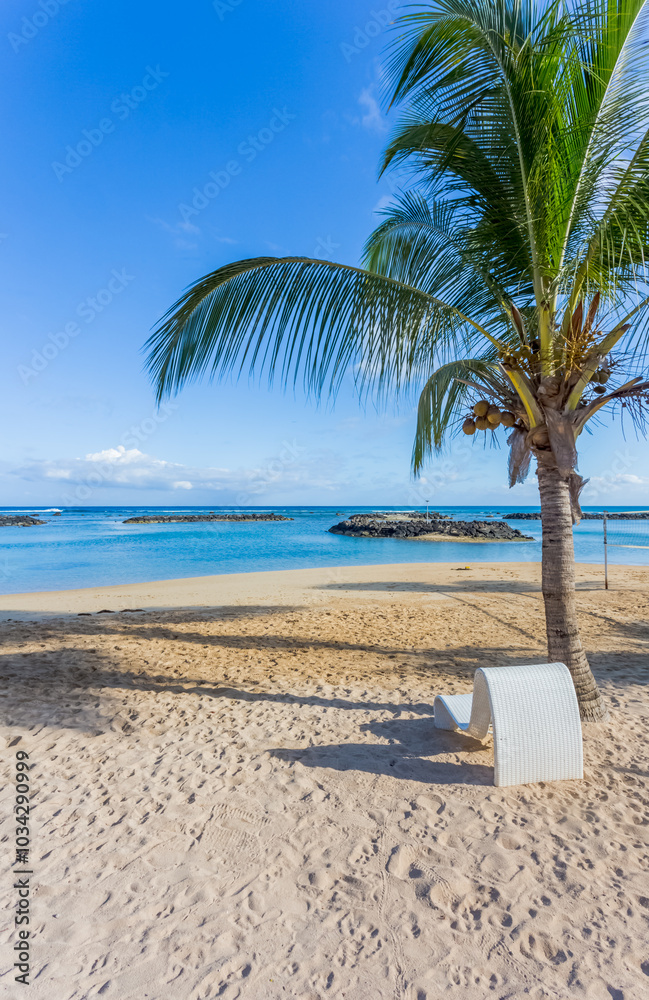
x=508, y=279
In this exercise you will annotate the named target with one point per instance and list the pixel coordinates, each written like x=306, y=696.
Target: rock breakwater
x=193, y=518
x=370, y=526
x=19, y=521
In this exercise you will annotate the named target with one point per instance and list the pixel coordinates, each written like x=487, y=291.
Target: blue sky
x=116, y=117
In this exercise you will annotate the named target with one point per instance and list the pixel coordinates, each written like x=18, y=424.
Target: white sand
x=239, y=792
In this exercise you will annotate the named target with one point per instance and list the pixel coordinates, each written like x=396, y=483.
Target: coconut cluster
x=523, y=357
x=599, y=380
x=487, y=417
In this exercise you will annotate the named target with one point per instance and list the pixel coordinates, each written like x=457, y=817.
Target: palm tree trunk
x=558, y=574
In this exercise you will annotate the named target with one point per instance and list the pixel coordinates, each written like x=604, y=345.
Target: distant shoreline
x=46, y=557
x=293, y=587
x=465, y=538
x=200, y=518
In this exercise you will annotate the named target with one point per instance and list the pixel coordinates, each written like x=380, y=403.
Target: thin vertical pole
x=605, y=554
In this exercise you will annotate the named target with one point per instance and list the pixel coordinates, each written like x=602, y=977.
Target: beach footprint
x=401, y=860
x=363, y=852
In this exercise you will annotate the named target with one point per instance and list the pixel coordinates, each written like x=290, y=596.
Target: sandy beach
x=238, y=791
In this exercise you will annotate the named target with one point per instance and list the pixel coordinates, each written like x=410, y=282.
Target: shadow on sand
x=463, y=585
x=74, y=700
x=407, y=756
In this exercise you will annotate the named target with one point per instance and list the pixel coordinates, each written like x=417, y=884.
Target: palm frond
x=525, y=134
x=444, y=397
x=295, y=317
x=428, y=246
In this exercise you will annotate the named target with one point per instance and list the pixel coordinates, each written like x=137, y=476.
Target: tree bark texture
x=558, y=574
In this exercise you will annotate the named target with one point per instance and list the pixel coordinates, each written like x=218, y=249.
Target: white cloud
x=185, y=245
x=118, y=454
x=384, y=202
x=634, y=480
x=120, y=466
x=178, y=227
x=130, y=468
x=372, y=119
x=181, y=230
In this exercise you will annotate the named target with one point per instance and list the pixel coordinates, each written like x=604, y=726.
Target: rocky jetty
x=405, y=515
x=18, y=521
x=385, y=526
x=192, y=518
x=623, y=515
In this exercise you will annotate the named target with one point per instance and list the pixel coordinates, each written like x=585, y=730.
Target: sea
x=92, y=546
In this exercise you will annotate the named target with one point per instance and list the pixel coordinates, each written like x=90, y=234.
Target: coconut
x=481, y=408
x=469, y=426
x=481, y=423
x=541, y=437
x=507, y=418
x=493, y=416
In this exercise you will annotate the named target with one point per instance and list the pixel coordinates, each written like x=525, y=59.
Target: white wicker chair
x=535, y=717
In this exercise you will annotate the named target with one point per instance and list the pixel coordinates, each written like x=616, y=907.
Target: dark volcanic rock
x=628, y=515
x=369, y=526
x=18, y=521
x=403, y=515
x=182, y=518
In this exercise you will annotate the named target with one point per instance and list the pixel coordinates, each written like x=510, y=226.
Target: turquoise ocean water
x=91, y=546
